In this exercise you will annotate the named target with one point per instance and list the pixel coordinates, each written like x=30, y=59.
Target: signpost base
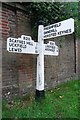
x=39, y=95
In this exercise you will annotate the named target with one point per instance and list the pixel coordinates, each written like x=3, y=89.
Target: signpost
x=26, y=45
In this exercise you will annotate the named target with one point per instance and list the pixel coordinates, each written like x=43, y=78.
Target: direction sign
x=22, y=45
x=26, y=45
x=51, y=49
x=59, y=29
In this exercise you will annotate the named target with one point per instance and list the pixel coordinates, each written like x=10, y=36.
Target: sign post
x=40, y=64
x=26, y=45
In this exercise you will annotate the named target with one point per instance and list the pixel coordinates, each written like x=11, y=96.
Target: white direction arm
x=22, y=45
x=51, y=49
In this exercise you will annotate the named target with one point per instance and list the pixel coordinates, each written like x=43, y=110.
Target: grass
x=60, y=102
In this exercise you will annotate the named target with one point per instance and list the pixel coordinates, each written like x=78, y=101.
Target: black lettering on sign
x=50, y=48
x=50, y=35
x=22, y=42
x=70, y=30
x=53, y=34
x=26, y=38
x=17, y=45
x=64, y=31
x=15, y=49
x=52, y=26
x=50, y=31
x=11, y=39
x=59, y=33
x=29, y=43
x=51, y=43
x=22, y=46
x=57, y=25
x=10, y=49
x=11, y=44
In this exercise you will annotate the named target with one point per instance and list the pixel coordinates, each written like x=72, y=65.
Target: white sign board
x=59, y=29
x=22, y=45
x=51, y=49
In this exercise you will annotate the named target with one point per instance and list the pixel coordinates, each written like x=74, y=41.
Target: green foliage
x=70, y=10
x=47, y=12
x=61, y=102
x=50, y=12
